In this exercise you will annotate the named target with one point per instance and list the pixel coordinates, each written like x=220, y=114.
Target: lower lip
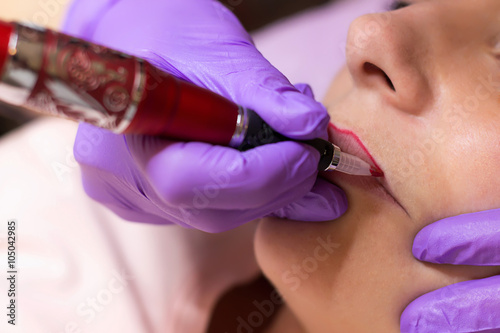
x=368, y=184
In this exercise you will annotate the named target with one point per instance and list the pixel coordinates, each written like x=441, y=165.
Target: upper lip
x=350, y=143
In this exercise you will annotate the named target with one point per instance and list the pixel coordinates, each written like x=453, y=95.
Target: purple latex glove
x=194, y=184
x=471, y=306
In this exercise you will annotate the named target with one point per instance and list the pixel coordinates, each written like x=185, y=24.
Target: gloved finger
x=305, y=89
x=208, y=220
x=154, y=210
x=219, y=220
x=469, y=239
x=470, y=306
x=180, y=172
x=324, y=202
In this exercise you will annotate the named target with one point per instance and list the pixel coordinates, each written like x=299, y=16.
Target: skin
x=435, y=136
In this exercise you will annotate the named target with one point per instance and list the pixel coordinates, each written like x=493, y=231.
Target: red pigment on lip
x=375, y=170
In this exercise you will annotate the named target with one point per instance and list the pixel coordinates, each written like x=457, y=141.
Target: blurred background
x=48, y=13
x=254, y=14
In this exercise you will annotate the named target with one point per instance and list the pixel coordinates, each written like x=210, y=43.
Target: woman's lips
x=350, y=143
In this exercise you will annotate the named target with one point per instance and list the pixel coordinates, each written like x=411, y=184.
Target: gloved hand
x=194, y=184
x=471, y=306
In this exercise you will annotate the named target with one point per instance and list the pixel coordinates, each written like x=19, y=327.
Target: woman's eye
x=399, y=4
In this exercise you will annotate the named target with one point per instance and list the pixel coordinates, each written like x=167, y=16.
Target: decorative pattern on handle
x=77, y=79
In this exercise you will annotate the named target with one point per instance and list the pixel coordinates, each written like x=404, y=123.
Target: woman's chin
x=308, y=261
x=281, y=243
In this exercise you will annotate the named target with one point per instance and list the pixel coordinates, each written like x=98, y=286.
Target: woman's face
x=420, y=98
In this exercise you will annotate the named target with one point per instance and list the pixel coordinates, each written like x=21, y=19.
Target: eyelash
x=399, y=4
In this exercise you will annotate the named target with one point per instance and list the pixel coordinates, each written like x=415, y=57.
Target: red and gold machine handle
x=57, y=74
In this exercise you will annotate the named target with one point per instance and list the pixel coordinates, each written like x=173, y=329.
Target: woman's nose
x=387, y=56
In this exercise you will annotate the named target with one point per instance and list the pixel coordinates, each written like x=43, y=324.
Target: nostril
x=372, y=69
x=389, y=82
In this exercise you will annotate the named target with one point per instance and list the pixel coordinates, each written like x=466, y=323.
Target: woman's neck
x=254, y=307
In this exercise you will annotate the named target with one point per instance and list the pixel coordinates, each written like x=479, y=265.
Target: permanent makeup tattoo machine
x=56, y=74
